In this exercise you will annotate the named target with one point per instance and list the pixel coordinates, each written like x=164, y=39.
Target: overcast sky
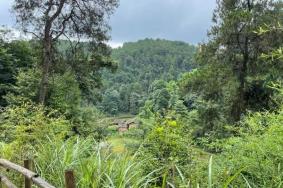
x=184, y=20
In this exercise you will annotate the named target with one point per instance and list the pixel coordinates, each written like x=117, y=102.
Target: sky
x=182, y=20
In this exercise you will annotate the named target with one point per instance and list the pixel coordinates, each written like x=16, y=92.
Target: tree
x=14, y=56
x=236, y=43
x=86, y=63
x=231, y=77
x=135, y=103
x=6, y=72
x=48, y=20
x=110, y=102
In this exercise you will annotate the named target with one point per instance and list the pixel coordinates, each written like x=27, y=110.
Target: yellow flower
x=172, y=123
x=159, y=129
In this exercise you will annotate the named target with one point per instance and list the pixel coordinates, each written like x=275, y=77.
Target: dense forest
x=139, y=65
x=207, y=115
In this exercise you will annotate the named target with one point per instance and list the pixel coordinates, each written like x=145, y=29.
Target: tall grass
x=94, y=166
x=97, y=167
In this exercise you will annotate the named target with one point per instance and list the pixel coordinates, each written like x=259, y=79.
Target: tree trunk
x=47, y=60
x=47, y=48
x=240, y=104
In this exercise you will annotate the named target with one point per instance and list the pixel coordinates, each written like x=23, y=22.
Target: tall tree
x=232, y=77
x=48, y=20
x=236, y=22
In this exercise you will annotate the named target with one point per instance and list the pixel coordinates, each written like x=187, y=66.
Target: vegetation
x=206, y=116
x=140, y=64
x=50, y=20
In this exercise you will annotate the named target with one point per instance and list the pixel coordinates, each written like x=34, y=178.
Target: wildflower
x=172, y=123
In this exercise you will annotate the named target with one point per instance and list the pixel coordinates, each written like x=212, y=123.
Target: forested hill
x=141, y=63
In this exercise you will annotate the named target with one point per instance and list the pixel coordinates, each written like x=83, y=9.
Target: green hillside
x=139, y=65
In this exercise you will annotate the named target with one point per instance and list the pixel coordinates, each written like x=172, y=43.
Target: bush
x=27, y=125
x=258, y=152
x=24, y=128
x=163, y=149
x=89, y=121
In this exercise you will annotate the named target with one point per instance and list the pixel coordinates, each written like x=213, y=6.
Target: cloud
x=184, y=20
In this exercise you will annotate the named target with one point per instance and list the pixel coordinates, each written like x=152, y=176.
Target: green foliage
x=95, y=166
x=90, y=122
x=6, y=72
x=25, y=88
x=110, y=102
x=65, y=94
x=140, y=64
x=14, y=57
x=163, y=97
x=27, y=125
x=218, y=125
x=164, y=148
x=86, y=62
x=259, y=150
x=232, y=76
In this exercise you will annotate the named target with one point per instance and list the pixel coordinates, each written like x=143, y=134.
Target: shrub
x=164, y=148
x=258, y=151
x=26, y=125
x=89, y=121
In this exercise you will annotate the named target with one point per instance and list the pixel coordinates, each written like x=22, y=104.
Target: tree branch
x=58, y=11
x=66, y=19
x=26, y=31
x=50, y=4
